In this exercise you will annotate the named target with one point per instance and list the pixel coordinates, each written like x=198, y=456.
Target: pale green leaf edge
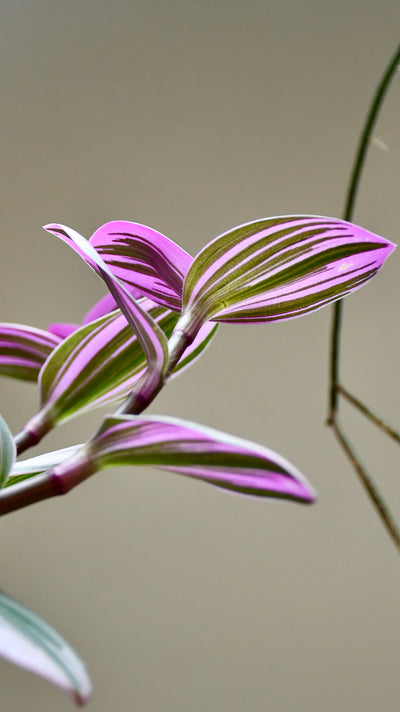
x=65, y=668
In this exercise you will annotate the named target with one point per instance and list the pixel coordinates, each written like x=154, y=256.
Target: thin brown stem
x=351, y=196
x=369, y=414
x=334, y=385
x=371, y=488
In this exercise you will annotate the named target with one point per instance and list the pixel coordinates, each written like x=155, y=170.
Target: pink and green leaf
x=280, y=268
x=144, y=258
x=28, y=641
x=202, y=453
x=149, y=334
x=24, y=350
x=99, y=364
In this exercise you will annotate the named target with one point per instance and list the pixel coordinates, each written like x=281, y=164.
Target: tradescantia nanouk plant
x=161, y=311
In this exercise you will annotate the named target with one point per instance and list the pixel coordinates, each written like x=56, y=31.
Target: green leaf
x=7, y=451
x=28, y=641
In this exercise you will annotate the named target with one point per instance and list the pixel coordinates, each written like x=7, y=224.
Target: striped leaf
x=24, y=350
x=28, y=641
x=99, y=364
x=151, y=337
x=7, y=451
x=202, y=453
x=144, y=258
x=279, y=268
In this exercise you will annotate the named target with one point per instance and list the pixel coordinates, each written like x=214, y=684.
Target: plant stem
x=350, y=202
x=33, y=432
x=26, y=493
x=334, y=385
x=59, y=480
x=143, y=395
x=79, y=467
x=369, y=414
x=369, y=484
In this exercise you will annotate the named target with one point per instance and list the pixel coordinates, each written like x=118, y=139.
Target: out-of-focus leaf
x=24, y=349
x=144, y=258
x=231, y=463
x=7, y=451
x=28, y=641
x=149, y=334
x=62, y=328
x=279, y=268
x=25, y=469
x=106, y=305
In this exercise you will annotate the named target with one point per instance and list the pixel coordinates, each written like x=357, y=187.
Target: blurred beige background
x=193, y=117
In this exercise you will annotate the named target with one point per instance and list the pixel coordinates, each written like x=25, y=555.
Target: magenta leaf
x=7, y=451
x=149, y=334
x=222, y=460
x=24, y=350
x=62, y=328
x=106, y=305
x=144, y=258
x=279, y=268
x=28, y=641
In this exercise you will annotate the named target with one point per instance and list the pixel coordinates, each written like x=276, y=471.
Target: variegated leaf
x=28, y=641
x=279, y=268
x=144, y=258
x=24, y=350
x=99, y=364
x=151, y=337
x=203, y=453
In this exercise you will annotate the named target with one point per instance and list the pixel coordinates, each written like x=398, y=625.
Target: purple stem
x=145, y=392
x=59, y=480
x=33, y=432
